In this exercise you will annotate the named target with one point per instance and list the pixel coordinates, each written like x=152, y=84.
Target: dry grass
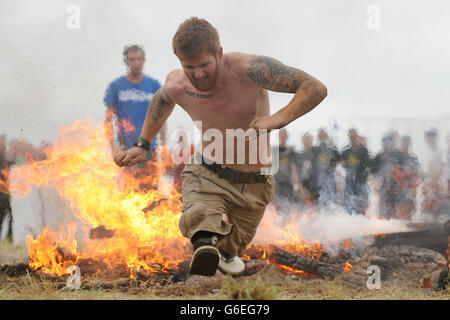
x=11, y=254
x=270, y=285
x=337, y=289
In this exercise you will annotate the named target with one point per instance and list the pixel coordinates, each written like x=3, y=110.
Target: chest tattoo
x=198, y=95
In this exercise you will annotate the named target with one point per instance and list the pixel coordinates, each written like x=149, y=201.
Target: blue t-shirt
x=130, y=102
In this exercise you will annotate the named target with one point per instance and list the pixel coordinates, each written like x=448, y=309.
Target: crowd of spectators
x=310, y=176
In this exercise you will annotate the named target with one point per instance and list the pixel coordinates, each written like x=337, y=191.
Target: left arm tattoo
x=271, y=74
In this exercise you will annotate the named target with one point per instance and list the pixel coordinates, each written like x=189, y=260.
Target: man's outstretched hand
x=130, y=157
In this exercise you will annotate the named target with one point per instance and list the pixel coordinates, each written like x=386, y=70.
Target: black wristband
x=144, y=141
x=139, y=143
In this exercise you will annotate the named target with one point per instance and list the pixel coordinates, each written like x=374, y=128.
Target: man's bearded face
x=202, y=70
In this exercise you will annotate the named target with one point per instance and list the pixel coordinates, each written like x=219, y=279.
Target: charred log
x=447, y=227
x=439, y=280
x=283, y=257
x=434, y=238
x=15, y=270
x=101, y=233
x=295, y=261
x=153, y=205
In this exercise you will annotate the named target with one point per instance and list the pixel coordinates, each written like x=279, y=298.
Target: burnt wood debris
x=421, y=253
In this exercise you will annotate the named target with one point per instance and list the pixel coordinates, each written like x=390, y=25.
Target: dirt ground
x=270, y=283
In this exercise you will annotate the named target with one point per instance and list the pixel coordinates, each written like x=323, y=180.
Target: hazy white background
x=396, y=76
x=377, y=79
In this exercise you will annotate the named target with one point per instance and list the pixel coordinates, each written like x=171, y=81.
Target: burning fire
x=286, y=235
x=98, y=193
x=296, y=271
x=348, y=267
x=139, y=219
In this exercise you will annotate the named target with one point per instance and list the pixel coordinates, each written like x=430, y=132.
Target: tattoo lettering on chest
x=198, y=95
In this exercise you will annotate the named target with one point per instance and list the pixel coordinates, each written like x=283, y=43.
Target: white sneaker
x=234, y=265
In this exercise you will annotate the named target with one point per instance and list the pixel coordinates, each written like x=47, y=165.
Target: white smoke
x=324, y=225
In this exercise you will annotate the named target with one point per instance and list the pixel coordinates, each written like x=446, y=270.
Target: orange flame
x=296, y=271
x=348, y=267
x=348, y=244
x=127, y=202
x=80, y=167
x=286, y=235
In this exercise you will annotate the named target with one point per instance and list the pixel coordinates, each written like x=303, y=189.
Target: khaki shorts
x=233, y=210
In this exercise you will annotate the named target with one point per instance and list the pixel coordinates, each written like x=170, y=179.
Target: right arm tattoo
x=161, y=103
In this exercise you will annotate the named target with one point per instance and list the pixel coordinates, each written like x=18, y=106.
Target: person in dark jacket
x=5, y=200
x=327, y=158
x=356, y=161
x=284, y=186
x=306, y=162
x=387, y=164
x=410, y=182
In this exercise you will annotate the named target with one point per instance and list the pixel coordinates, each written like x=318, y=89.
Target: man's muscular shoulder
x=175, y=83
x=237, y=62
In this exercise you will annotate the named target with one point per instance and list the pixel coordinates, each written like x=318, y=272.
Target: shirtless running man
x=223, y=91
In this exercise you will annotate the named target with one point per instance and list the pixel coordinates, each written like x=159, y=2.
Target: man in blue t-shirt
x=127, y=99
